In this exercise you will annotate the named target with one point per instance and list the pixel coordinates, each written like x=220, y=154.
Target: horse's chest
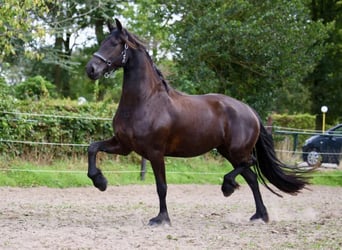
x=128, y=127
x=122, y=124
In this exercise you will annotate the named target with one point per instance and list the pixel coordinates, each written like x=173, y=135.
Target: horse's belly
x=186, y=153
x=192, y=145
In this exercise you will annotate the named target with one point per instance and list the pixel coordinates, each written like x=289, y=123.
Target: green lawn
x=62, y=174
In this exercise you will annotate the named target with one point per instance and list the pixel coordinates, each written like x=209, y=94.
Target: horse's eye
x=113, y=43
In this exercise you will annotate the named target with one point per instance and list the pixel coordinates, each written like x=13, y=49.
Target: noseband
x=109, y=62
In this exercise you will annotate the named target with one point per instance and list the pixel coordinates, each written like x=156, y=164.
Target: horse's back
x=218, y=107
x=203, y=122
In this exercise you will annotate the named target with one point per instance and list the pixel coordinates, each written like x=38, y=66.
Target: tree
x=151, y=20
x=18, y=30
x=258, y=52
x=17, y=26
x=325, y=83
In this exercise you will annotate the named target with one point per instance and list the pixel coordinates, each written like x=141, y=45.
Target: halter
x=109, y=62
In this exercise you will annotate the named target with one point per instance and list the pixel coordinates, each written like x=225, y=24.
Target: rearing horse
x=155, y=120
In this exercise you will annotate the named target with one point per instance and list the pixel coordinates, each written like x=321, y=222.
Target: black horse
x=155, y=120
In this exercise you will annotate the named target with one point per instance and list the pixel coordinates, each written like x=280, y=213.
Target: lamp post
x=324, y=110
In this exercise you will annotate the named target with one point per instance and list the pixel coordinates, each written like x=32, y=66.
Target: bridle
x=109, y=62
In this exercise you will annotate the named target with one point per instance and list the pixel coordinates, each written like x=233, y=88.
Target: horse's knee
x=93, y=148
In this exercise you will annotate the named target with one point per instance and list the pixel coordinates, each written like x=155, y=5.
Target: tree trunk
x=99, y=30
x=58, y=70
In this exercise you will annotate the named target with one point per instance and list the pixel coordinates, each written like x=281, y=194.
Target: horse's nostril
x=91, y=70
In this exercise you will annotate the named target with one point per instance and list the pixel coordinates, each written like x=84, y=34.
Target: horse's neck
x=140, y=81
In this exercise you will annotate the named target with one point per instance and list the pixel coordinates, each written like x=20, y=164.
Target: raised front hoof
x=262, y=216
x=228, y=188
x=160, y=220
x=99, y=181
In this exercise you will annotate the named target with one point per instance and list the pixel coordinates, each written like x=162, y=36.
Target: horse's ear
x=110, y=26
x=118, y=24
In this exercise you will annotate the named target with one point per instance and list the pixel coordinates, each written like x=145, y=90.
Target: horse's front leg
x=158, y=166
x=110, y=146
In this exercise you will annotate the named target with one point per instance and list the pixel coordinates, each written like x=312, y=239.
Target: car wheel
x=314, y=158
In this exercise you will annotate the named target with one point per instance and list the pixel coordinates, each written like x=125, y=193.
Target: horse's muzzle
x=94, y=70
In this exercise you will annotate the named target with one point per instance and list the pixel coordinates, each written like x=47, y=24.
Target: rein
x=109, y=62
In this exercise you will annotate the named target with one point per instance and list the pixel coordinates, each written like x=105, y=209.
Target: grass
x=327, y=177
x=73, y=173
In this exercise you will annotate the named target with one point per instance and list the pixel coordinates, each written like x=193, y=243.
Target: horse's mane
x=137, y=43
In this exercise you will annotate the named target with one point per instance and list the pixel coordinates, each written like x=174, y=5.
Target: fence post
x=143, y=169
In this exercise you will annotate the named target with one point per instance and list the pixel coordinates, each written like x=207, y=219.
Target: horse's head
x=112, y=54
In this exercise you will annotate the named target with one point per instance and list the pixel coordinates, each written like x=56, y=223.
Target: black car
x=324, y=148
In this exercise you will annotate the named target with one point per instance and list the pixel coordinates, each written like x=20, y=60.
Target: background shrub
x=52, y=121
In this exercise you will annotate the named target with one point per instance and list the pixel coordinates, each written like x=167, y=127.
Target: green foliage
x=148, y=19
x=17, y=25
x=255, y=51
x=63, y=121
x=325, y=83
x=4, y=88
x=35, y=88
x=300, y=121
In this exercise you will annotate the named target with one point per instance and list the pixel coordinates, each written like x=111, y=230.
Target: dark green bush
x=52, y=122
x=302, y=124
x=35, y=88
x=300, y=121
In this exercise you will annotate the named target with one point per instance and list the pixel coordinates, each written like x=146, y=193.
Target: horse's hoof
x=228, y=189
x=263, y=216
x=99, y=181
x=227, y=193
x=102, y=185
x=160, y=220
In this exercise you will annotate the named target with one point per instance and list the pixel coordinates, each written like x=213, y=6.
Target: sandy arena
x=202, y=218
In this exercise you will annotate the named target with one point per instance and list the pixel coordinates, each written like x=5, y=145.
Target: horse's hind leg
x=251, y=178
x=229, y=184
x=111, y=146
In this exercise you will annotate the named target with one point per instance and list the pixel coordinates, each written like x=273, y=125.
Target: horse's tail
x=285, y=178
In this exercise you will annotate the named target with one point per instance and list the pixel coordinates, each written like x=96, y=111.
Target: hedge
x=304, y=122
x=300, y=121
x=51, y=121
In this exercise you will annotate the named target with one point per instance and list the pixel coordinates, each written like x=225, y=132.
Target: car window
x=337, y=131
